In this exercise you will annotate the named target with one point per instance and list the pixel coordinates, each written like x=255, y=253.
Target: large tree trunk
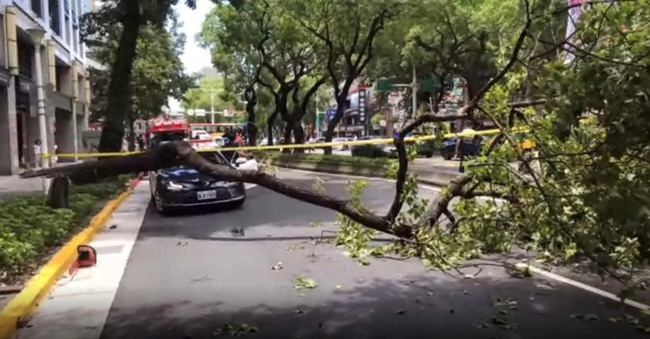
x=251, y=102
x=270, y=122
x=298, y=136
x=119, y=91
x=288, y=129
x=331, y=125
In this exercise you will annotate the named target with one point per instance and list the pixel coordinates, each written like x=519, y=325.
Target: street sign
x=384, y=85
x=428, y=85
x=362, y=106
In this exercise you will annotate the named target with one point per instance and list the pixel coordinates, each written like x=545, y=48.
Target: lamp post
x=212, y=92
x=37, y=34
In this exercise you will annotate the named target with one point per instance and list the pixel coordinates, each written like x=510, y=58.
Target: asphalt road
x=189, y=275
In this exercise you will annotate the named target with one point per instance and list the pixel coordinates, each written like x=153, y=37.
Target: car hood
x=187, y=175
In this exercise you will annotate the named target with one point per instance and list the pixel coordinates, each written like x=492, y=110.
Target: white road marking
x=79, y=308
x=548, y=275
x=588, y=288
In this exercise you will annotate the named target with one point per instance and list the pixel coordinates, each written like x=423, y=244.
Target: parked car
x=341, y=148
x=374, y=150
x=448, y=147
x=183, y=187
x=427, y=147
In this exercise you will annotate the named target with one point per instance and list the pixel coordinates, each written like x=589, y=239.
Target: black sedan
x=182, y=187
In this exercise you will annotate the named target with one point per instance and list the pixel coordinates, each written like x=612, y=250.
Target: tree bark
x=119, y=91
x=250, y=110
x=270, y=122
x=298, y=136
x=59, y=190
x=288, y=129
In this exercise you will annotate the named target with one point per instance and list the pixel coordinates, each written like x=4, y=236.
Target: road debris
x=295, y=247
x=237, y=232
x=234, y=330
x=301, y=282
x=277, y=266
x=112, y=227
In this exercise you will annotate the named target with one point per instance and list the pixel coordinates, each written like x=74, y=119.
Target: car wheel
x=159, y=203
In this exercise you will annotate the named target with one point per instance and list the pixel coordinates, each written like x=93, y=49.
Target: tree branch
x=181, y=153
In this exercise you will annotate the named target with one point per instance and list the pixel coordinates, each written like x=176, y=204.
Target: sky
x=194, y=57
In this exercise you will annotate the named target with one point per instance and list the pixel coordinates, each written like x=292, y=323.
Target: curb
x=23, y=304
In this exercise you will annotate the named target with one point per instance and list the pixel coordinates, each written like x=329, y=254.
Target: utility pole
x=317, y=118
x=414, y=94
x=212, y=91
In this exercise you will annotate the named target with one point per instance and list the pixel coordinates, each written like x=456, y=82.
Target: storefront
x=24, y=111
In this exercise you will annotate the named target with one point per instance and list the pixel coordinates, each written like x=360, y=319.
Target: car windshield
x=214, y=157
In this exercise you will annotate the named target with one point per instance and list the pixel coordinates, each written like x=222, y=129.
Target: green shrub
x=369, y=151
x=321, y=158
x=28, y=227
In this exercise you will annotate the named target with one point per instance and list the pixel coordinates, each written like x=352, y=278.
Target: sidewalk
x=13, y=185
x=77, y=307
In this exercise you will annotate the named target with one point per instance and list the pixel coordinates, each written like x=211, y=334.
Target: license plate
x=206, y=195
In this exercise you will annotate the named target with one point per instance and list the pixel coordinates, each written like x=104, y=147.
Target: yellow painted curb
x=38, y=286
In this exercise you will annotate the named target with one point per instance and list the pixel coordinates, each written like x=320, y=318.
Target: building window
x=59, y=77
x=37, y=8
x=55, y=17
x=25, y=56
x=67, y=28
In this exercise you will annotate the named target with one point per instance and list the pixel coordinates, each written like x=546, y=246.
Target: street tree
x=576, y=196
x=346, y=32
x=121, y=21
x=157, y=71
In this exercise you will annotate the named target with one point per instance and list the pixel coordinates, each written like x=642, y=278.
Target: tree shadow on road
x=263, y=208
x=416, y=306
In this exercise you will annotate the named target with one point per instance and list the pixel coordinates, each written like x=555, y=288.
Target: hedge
x=29, y=229
x=322, y=158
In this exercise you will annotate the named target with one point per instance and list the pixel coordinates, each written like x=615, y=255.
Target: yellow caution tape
x=294, y=146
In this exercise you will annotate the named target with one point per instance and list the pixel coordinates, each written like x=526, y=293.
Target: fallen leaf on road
x=338, y=287
x=112, y=227
x=234, y=330
x=481, y=324
x=302, y=282
x=499, y=321
x=591, y=317
x=295, y=247
x=465, y=292
x=299, y=311
x=400, y=312
x=504, y=312
x=615, y=320
x=277, y=267
x=237, y=232
x=576, y=316
x=643, y=329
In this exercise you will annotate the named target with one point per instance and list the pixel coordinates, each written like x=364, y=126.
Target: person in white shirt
x=38, y=158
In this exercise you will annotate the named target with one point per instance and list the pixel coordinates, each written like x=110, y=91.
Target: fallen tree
x=555, y=208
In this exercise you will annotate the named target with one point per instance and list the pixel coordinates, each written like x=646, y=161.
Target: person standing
x=38, y=154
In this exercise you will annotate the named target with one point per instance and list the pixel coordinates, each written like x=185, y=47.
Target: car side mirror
x=240, y=161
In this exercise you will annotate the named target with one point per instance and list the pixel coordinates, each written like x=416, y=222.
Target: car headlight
x=173, y=186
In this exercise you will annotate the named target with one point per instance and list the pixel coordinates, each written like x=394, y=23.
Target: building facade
x=65, y=80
